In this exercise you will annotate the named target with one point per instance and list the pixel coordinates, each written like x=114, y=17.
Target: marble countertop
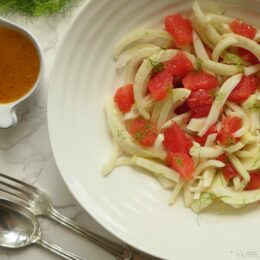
x=25, y=152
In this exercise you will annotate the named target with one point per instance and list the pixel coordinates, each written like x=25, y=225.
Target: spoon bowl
x=20, y=228
x=17, y=228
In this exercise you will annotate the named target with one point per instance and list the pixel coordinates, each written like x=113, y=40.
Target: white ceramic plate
x=128, y=203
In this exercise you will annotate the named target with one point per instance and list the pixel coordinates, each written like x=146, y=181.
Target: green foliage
x=34, y=7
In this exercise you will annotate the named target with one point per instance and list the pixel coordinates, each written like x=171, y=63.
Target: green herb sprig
x=255, y=107
x=34, y=7
x=157, y=66
x=198, y=64
x=231, y=58
x=219, y=95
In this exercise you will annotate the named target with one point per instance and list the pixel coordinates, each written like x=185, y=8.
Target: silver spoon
x=20, y=228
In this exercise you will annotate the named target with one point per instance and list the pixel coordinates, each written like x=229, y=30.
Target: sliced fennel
x=235, y=147
x=202, y=202
x=208, y=177
x=196, y=124
x=157, y=110
x=209, y=173
x=114, y=155
x=252, y=69
x=180, y=120
x=170, y=53
x=132, y=114
x=220, y=68
x=245, y=43
x=211, y=139
x=246, y=154
x=221, y=46
x=133, y=52
x=159, y=140
x=239, y=184
x=217, y=18
x=157, y=168
x=255, y=120
x=198, y=13
x=232, y=197
x=148, y=36
x=252, y=103
x=201, y=32
x=239, y=112
x=141, y=80
x=187, y=195
x=176, y=191
x=212, y=34
x=221, y=28
x=199, y=47
x=176, y=98
x=136, y=60
x=239, y=167
x=210, y=163
x=124, y=162
x=206, y=152
x=251, y=138
x=219, y=190
x=166, y=183
x=252, y=163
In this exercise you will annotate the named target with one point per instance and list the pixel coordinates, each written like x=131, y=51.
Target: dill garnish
x=121, y=133
x=198, y=64
x=206, y=196
x=230, y=141
x=219, y=95
x=139, y=135
x=144, y=131
x=254, y=107
x=179, y=161
x=231, y=58
x=157, y=66
x=162, y=49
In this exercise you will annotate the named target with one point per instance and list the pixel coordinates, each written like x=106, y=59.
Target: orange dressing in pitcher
x=19, y=65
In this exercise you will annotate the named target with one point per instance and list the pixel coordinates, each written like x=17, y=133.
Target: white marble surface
x=25, y=152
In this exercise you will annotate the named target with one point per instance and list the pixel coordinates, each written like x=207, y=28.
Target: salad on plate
x=189, y=111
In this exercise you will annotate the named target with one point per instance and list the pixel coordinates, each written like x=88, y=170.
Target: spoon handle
x=120, y=251
x=58, y=250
